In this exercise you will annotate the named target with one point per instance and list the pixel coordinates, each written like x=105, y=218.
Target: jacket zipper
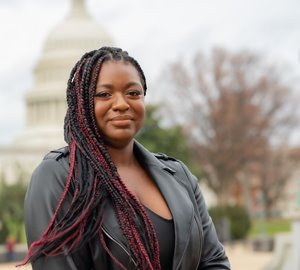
x=119, y=244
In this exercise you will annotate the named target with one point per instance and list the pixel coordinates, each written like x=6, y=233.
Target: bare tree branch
x=235, y=108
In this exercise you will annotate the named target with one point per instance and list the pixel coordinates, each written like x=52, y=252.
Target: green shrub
x=269, y=227
x=231, y=222
x=4, y=232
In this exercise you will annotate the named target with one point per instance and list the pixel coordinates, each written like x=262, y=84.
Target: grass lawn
x=269, y=227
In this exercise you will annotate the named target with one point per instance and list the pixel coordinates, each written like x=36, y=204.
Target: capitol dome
x=75, y=35
x=45, y=102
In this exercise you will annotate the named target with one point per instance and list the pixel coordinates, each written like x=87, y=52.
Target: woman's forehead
x=114, y=69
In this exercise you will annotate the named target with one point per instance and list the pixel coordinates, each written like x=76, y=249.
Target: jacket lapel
x=176, y=197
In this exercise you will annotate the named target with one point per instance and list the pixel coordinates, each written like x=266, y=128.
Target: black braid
x=93, y=176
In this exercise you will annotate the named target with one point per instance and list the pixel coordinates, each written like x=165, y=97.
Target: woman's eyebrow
x=104, y=85
x=110, y=86
x=133, y=84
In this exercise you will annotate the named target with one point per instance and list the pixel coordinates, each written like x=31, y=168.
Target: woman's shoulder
x=178, y=168
x=173, y=162
x=52, y=170
x=58, y=154
x=55, y=159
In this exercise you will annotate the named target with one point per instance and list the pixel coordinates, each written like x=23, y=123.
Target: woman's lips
x=121, y=120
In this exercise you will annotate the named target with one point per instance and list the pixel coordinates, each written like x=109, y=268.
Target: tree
x=168, y=140
x=11, y=205
x=274, y=169
x=235, y=106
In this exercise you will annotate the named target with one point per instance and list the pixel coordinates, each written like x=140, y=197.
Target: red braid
x=95, y=177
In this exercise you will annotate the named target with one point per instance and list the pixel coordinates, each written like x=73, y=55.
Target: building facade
x=46, y=100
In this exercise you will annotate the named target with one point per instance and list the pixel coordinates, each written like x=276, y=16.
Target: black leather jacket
x=196, y=243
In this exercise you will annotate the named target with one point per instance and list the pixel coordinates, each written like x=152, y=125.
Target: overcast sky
x=156, y=32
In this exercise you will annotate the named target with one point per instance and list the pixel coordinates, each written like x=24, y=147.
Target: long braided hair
x=93, y=178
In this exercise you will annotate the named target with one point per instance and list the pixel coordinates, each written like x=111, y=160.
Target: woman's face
x=119, y=103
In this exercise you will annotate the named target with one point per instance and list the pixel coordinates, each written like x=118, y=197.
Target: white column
x=296, y=244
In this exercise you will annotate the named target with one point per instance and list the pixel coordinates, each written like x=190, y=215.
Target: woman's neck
x=122, y=156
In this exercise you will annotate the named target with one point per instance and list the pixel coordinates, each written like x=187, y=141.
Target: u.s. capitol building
x=46, y=100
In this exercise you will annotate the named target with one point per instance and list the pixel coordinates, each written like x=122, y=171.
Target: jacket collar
x=174, y=194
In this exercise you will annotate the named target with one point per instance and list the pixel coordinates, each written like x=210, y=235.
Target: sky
x=156, y=33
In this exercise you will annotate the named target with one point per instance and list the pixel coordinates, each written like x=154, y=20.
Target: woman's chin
x=119, y=141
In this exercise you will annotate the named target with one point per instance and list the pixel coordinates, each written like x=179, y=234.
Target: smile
x=121, y=118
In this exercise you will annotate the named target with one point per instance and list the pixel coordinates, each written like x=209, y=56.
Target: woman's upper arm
x=43, y=194
x=213, y=254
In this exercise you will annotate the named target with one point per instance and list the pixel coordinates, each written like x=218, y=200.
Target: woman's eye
x=102, y=94
x=135, y=93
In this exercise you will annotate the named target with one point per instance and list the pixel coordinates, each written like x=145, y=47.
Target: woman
x=105, y=202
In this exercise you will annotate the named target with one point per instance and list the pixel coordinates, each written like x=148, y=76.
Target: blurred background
x=223, y=80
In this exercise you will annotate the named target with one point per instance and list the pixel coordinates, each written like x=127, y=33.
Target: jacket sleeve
x=43, y=194
x=213, y=254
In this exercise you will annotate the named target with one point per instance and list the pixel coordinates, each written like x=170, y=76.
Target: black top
x=166, y=238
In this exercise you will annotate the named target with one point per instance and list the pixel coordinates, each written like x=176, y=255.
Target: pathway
x=241, y=258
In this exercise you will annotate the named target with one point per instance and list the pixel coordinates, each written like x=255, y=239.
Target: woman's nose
x=120, y=103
